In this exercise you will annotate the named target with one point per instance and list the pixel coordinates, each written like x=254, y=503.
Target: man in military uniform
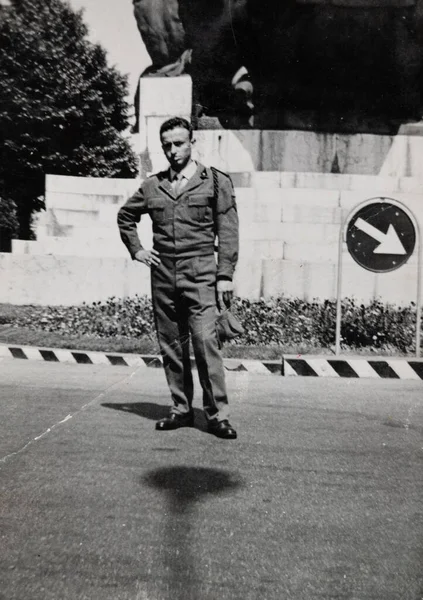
x=190, y=205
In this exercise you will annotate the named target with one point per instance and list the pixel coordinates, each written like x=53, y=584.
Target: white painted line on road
x=67, y=418
x=402, y=369
x=322, y=367
x=50, y=428
x=38, y=437
x=362, y=368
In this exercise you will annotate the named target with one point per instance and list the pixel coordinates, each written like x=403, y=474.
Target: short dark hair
x=175, y=122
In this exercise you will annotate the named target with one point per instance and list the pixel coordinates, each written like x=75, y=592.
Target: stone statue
x=199, y=37
x=349, y=65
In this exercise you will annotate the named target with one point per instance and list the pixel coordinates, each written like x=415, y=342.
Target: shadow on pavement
x=155, y=412
x=184, y=488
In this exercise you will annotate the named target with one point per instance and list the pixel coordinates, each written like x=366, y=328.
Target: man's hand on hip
x=225, y=292
x=148, y=257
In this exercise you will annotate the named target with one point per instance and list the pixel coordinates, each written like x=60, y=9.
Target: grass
x=21, y=336
x=44, y=339
x=47, y=339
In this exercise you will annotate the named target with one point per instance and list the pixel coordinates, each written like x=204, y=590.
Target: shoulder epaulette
x=215, y=176
x=221, y=172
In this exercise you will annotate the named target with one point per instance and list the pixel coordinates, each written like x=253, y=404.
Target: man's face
x=177, y=147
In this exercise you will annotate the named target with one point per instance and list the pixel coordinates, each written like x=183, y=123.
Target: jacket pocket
x=156, y=209
x=199, y=208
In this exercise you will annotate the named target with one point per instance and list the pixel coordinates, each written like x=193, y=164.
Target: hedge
x=277, y=321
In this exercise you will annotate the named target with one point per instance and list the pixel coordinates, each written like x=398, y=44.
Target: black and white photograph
x=211, y=278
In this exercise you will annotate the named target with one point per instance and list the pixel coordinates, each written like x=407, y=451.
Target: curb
x=288, y=366
x=83, y=357
x=354, y=367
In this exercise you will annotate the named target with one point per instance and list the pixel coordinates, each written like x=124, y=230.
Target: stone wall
x=289, y=228
x=80, y=218
x=289, y=232
x=68, y=280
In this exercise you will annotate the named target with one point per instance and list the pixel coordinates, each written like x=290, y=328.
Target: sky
x=112, y=24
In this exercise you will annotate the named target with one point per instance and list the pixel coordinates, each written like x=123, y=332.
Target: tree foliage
x=8, y=219
x=63, y=109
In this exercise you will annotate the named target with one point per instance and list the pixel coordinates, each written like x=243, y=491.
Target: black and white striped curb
x=129, y=360
x=387, y=368
x=288, y=366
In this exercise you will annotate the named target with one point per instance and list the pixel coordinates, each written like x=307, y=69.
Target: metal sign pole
x=338, y=293
x=390, y=244
x=419, y=289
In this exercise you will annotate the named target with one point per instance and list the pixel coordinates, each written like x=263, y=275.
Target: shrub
x=375, y=325
x=124, y=317
x=275, y=322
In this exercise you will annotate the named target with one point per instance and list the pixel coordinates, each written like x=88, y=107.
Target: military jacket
x=186, y=225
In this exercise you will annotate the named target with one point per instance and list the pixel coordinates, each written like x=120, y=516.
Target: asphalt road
x=319, y=498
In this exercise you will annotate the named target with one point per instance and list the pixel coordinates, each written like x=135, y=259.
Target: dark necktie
x=178, y=184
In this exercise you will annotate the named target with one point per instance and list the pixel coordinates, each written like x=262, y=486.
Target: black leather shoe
x=222, y=429
x=174, y=421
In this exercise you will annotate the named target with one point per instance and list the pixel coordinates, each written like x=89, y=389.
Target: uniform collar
x=201, y=174
x=187, y=172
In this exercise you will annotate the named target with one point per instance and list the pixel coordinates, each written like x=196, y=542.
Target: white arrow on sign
x=389, y=242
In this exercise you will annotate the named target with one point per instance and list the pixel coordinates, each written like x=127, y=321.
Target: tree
x=63, y=109
x=8, y=223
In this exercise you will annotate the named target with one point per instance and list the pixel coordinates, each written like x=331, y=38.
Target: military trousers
x=184, y=302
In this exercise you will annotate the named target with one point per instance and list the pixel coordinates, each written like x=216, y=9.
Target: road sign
x=380, y=236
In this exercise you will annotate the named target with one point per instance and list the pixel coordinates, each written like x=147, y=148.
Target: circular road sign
x=380, y=235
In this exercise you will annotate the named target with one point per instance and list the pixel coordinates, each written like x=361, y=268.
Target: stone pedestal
x=254, y=150
x=312, y=152
x=160, y=98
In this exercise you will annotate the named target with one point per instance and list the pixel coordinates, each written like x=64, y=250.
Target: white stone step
x=311, y=280
x=290, y=232
x=69, y=280
x=301, y=213
x=63, y=246
x=349, y=201
x=82, y=202
x=76, y=218
x=97, y=186
x=304, y=251
x=373, y=184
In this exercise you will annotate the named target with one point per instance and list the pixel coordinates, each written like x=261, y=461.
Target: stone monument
x=322, y=65
x=312, y=106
